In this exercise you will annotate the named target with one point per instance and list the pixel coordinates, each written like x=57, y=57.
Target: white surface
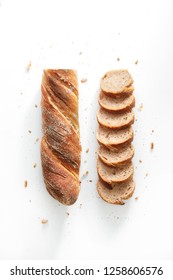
x=52, y=34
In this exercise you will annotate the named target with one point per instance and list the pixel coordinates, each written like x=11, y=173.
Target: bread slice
x=117, y=82
x=117, y=193
x=116, y=104
x=116, y=157
x=114, y=174
x=113, y=138
x=114, y=119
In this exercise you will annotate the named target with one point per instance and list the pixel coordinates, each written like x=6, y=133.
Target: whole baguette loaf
x=60, y=146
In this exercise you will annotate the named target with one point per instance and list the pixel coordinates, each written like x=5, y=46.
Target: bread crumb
x=28, y=67
x=67, y=213
x=140, y=161
x=29, y=131
x=136, y=198
x=36, y=106
x=146, y=174
x=152, y=130
x=118, y=59
x=85, y=161
x=80, y=205
x=25, y=183
x=86, y=173
x=87, y=150
x=37, y=139
x=90, y=181
x=44, y=221
x=141, y=107
x=80, y=53
x=136, y=62
x=151, y=145
x=83, y=80
x=35, y=165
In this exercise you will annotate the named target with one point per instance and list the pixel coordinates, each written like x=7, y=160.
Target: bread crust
x=60, y=146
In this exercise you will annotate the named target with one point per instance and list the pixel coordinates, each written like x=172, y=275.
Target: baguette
x=60, y=146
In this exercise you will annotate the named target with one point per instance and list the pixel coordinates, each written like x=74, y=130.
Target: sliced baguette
x=113, y=138
x=116, y=104
x=116, y=157
x=114, y=119
x=114, y=174
x=117, y=82
x=116, y=193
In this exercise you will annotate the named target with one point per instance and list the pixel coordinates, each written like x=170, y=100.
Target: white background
x=88, y=36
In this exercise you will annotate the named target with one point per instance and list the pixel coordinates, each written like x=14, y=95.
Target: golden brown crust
x=60, y=147
x=59, y=181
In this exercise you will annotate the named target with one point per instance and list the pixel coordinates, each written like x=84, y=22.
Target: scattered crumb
x=140, y=161
x=86, y=173
x=67, y=213
x=25, y=183
x=80, y=205
x=37, y=139
x=28, y=67
x=117, y=218
x=136, y=62
x=146, y=174
x=36, y=106
x=83, y=80
x=152, y=130
x=118, y=59
x=136, y=198
x=44, y=221
x=141, y=107
x=21, y=93
x=35, y=165
x=30, y=200
x=90, y=180
x=151, y=145
x=85, y=161
x=80, y=53
x=87, y=150
x=29, y=131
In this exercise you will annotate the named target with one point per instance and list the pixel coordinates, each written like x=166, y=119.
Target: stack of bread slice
x=115, y=135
